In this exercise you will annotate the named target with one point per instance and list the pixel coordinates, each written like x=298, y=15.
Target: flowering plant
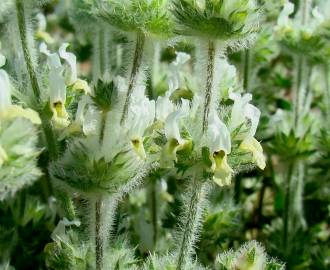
x=164, y=134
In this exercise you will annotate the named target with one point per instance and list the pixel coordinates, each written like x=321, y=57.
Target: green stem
x=298, y=86
x=287, y=203
x=137, y=61
x=154, y=211
x=98, y=208
x=209, y=84
x=301, y=66
x=101, y=51
x=247, y=65
x=103, y=124
x=192, y=222
x=261, y=202
x=98, y=236
x=21, y=19
x=50, y=137
x=46, y=125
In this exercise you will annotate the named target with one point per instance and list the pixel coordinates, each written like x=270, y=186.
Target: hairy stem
x=98, y=236
x=287, y=205
x=155, y=69
x=21, y=19
x=137, y=61
x=301, y=70
x=50, y=137
x=46, y=125
x=192, y=222
x=103, y=124
x=209, y=84
x=298, y=89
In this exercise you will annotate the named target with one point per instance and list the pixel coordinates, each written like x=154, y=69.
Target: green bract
x=216, y=19
x=104, y=95
x=18, y=156
x=251, y=256
x=148, y=17
x=91, y=175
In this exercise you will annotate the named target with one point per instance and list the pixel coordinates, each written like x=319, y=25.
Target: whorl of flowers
x=301, y=34
x=187, y=146
x=111, y=153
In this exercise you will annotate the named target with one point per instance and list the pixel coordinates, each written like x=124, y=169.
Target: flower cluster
x=301, y=34
x=187, y=146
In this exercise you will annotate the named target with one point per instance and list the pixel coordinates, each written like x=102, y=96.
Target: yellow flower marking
x=222, y=171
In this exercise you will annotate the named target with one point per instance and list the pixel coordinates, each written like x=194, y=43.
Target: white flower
x=53, y=59
x=241, y=112
x=164, y=107
x=283, y=19
x=218, y=135
x=174, y=79
x=71, y=60
x=172, y=126
x=86, y=118
x=57, y=95
x=140, y=116
x=172, y=133
x=218, y=141
x=71, y=78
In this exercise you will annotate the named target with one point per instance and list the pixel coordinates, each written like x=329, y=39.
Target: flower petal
x=218, y=135
x=172, y=126
x=17, y=111
x=71, y=60
x=283, y=19
x=222, y=171
x=138, y=147
x=250, y=144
